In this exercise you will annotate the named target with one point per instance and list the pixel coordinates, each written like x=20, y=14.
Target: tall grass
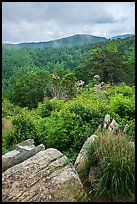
x=114, y=157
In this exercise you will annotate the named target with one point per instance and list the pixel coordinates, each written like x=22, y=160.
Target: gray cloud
x=43, y=21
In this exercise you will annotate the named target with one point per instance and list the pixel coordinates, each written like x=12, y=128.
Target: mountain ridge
x=75, y=40
x=122, y=36
x=70, y=41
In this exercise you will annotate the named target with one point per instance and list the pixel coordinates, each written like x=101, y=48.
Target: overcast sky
x=44, y=21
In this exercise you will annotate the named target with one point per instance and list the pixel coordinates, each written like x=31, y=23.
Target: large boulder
x=48, y=176
x=82, y=156
x=22, y=151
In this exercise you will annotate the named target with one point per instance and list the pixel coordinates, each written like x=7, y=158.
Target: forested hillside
x=49, y=95
x=123, y=36
x=113, y=60
x=75, y=40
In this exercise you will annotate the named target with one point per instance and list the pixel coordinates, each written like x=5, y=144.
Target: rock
x=82, y=158
x=96, y=78
x=92, y=178
x=102, y=83
x=106, y=121
x=98, y=129
x=55, y=98
x=23, y=151
x=48, y=176
x=113, y=127
x=80, y=83
x=126, y=128
x=98, y=86
x=91, y=89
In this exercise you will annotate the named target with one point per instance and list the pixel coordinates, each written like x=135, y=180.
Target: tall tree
x=106, y=62
x=30, y=88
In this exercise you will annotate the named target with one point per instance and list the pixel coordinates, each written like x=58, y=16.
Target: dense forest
x=48, y=94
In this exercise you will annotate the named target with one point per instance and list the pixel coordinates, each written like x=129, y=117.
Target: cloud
x=43, y=21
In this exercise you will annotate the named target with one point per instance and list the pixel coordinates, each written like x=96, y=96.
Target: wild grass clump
x=114, y=157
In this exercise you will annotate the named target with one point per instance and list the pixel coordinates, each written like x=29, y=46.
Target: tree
x=68, y=85
x=30, y=88
x=106, y=62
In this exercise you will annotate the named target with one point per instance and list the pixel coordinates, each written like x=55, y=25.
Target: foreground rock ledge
x=47, y=176
x=23, y=151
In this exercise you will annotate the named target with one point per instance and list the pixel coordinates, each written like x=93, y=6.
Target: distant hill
x=75, y=40
x=123, y=36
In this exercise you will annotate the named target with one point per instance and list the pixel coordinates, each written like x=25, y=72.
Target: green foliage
x=106, y=63
x=30, y=89
x=68, y=128
x=123, y=106
x=86, y=114
x=59, y=70
x=69, y=85
x=44, y=109
x=131, y=131
x=8, y=108
x=113, y=61
x=32, y=76
x=112, y=46
x=23, y=128
x=114, y=157
x=121, y=88
x=120, y=55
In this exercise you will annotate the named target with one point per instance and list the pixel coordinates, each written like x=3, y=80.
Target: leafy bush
x=45, y=108
x=96, y=100
x=9, y=109
x=131, y=131
x=23, y=128
x=121, y=88
x=86, y=114
x=114, y=157
x=62, y=131
x=68, y=128
x=125, y=90
x=122, y=105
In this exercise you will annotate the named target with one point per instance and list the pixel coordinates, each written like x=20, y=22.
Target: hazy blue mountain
x=123, y=36
x=75, y=40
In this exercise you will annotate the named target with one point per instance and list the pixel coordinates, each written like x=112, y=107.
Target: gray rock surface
x=98, y=87
x=113, y=127
x=48, y=176
x=96, y=78
x=126, y=128
x=106, y=121
x=82, y=158
x=23, y=151
x=92, y=178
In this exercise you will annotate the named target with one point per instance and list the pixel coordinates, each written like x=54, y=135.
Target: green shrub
x=23, y=128
x=45, y=109
x=85, y=113
x=114, y=157
x=125, y=90
x=63, y=130
x=131, y=131
x=9, y=109
x=67, y=129
x=122, y=88
x=123, y=105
